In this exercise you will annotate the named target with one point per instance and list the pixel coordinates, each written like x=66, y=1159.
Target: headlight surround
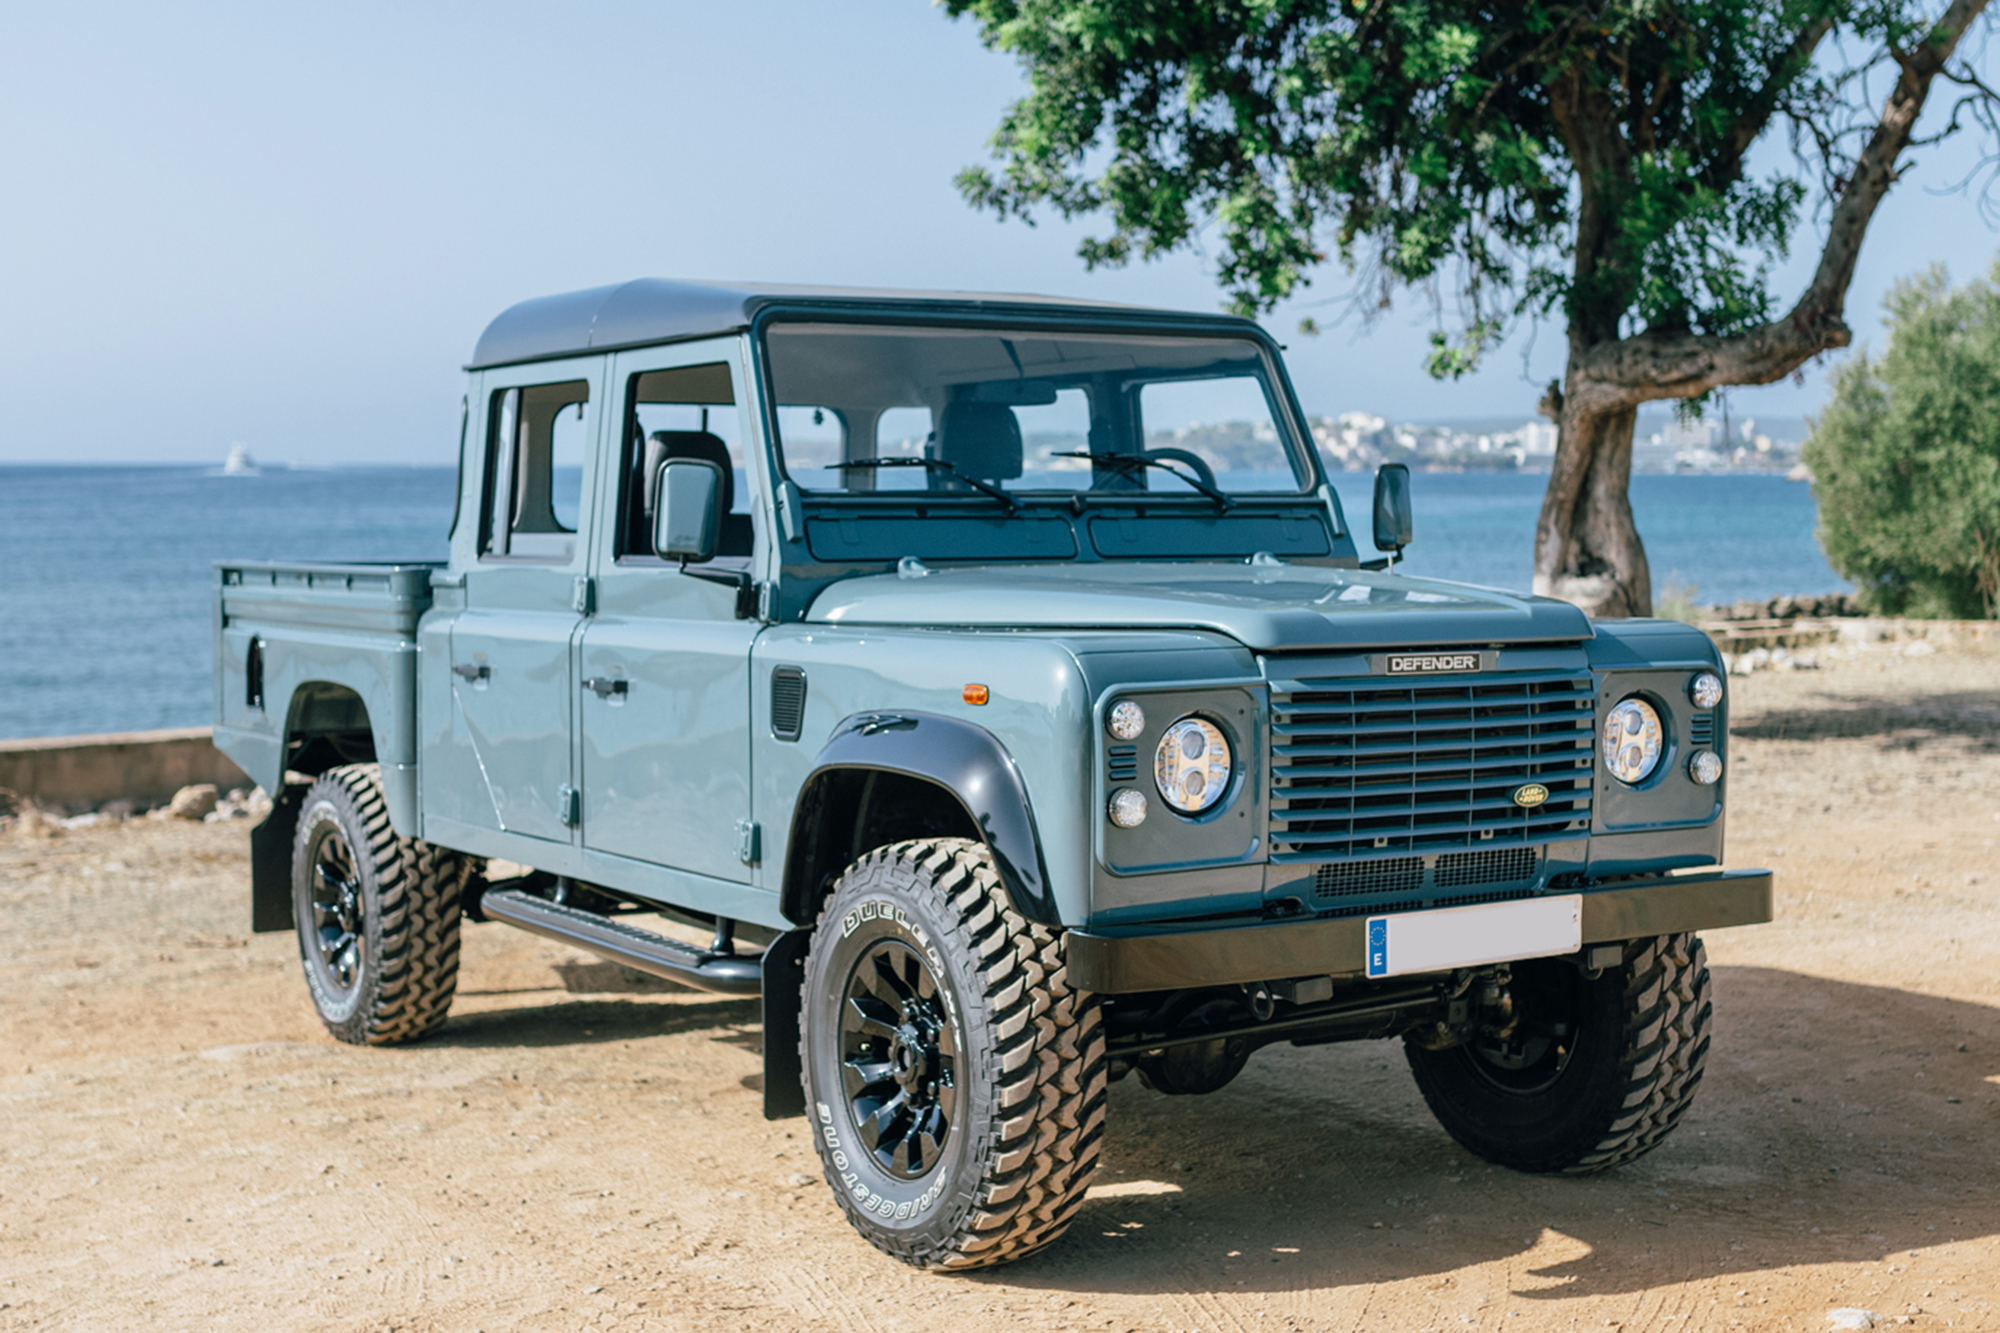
x=1633, y=741
x=1192, y=765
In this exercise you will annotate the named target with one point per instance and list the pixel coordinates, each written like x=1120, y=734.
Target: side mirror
x=1393, y=522
x=687, y=510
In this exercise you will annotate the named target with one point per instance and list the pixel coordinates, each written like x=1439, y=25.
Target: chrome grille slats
x=1366, y=765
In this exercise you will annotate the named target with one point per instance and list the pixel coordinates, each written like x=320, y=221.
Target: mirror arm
x=739, y=579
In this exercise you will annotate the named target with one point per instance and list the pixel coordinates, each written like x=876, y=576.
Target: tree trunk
x=1587, y=548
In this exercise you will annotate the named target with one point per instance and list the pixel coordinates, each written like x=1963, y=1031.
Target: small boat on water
x=239, y=463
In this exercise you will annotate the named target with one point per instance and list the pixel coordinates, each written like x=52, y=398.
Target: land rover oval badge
x=1532, y=794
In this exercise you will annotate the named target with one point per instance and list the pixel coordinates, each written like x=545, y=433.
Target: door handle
x=472, y=671
x=604, y=687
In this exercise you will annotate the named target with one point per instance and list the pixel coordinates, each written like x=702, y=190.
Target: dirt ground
x=182, y=1147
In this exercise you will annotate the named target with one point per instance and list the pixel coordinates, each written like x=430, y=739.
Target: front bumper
x=1625, y=910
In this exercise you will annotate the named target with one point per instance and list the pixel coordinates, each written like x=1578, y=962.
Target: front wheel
x=376, y=913
x=1593, y=1073
x=955, y=1080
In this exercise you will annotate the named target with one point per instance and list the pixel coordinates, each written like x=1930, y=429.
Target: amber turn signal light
x=973, y=694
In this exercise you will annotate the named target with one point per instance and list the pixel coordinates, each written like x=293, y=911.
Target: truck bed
x=332, y=645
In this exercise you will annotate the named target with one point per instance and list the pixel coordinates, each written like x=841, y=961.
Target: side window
x=537, y=437
x=684, y=412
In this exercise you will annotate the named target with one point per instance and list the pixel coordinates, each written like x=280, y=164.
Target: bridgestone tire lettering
x=410, y=900
x=1031, y=1074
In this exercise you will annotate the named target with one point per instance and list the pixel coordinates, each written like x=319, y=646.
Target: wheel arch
x=327, y=724
x=886, y=777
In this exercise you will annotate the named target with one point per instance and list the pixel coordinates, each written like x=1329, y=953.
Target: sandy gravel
x=182, y=1147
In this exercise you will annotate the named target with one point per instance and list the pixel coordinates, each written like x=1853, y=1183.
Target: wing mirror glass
x=687, y=513
x=1393, y=521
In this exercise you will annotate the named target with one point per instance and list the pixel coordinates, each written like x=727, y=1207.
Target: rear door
x=513, y=690
x=664, y=666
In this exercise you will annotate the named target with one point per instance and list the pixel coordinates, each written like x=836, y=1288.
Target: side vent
x=788, y=702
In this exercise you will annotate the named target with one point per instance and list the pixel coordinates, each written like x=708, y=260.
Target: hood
x=1267, y=607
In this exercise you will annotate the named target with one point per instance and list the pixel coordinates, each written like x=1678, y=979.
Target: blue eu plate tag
x=1378, y=946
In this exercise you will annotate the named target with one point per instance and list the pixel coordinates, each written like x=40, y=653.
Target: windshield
x=873, y=408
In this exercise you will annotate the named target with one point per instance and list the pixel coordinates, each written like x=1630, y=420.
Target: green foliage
x=1906, y=458
x=1530, y=157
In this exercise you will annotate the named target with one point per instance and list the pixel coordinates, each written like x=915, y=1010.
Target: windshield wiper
x=940, y=467
x=1136, y=463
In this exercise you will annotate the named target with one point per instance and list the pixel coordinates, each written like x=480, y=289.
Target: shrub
x=1906, y=457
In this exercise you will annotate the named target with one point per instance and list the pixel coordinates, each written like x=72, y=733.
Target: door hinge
x=749, y=841
x=569, y=803
x=583, y=595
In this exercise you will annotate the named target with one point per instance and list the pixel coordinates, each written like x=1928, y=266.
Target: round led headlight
x=1127, y=808
x=1125, y=720
x=1191, y=765
x=1705, y=767
x=1705, y=690
x=1633, y=740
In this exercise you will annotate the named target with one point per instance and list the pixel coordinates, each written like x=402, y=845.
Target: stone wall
x=74, y=774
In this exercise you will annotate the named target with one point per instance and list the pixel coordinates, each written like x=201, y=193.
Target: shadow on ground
x=1970, y=717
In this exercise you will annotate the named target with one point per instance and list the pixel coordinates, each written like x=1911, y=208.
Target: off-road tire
x=405, y=955
x=1030, y=1070
x=1641, y=1044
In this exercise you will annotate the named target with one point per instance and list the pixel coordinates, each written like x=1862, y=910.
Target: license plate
x=1484, y=933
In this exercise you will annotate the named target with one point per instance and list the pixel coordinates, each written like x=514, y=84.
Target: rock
x=192, y=803
x=1851, y=1316
x=116, y=811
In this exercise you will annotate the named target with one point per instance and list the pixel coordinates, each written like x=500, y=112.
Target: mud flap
x=271, y=861
x=784, y=985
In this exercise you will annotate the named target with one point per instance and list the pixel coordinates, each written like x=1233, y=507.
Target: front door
x=512, y=647
x=664, y=668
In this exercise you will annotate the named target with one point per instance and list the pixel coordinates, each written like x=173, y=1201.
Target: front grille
x=1396, y=874
x=1505, y=866
x=1362, y=766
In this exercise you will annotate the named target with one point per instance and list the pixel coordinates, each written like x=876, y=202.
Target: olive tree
x=1587, y=160
x=1906, y=458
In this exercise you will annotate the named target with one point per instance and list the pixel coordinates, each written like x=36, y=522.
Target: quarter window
x=536, y=443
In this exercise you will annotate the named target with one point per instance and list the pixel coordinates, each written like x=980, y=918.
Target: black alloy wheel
x=899, y=1049
x=337, y=913
x=376, y=913
x=1549, y=1000
x=1592, y=1072
x=954, y=1080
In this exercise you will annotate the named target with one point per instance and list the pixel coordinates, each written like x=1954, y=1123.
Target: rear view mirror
x=687, y=511
x=1393, y=521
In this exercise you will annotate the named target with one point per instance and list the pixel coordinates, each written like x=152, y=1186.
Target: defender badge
x=1532, y=794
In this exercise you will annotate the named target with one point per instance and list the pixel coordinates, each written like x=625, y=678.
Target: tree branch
x=1623, y=373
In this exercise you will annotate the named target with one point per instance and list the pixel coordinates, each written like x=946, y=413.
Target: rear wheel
x=376, y=914
x=1595, y=1071
x=955, y=1080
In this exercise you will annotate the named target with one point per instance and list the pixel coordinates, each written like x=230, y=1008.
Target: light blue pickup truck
x=999, y=683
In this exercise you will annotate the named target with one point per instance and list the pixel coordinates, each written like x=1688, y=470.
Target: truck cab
x=1001, y=682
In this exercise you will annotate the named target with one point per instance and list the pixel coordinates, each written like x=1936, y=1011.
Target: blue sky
x=287, y=225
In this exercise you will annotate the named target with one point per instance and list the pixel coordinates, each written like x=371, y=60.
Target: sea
x=106, y=573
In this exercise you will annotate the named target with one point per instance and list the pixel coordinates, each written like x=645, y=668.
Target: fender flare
x=967, y=761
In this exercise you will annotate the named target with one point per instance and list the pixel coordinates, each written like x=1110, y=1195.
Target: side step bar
x=640, y=950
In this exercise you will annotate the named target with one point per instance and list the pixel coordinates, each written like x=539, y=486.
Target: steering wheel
x=1120, y=477
x=1191, y=459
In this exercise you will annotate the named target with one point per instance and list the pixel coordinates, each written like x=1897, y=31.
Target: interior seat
x=737, y=535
